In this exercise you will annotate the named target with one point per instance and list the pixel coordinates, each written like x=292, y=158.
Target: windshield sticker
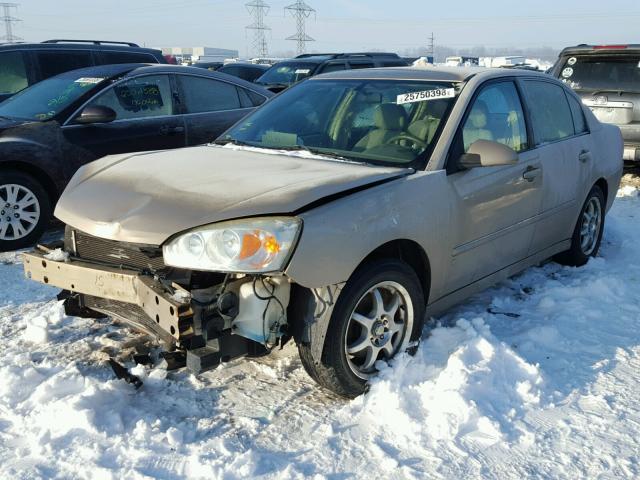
x=567, y=72
x=426, y=95
x=93, y=80
x=572, y=61
x=302, y=70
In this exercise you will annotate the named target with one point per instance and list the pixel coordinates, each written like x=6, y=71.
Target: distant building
x=199, y=54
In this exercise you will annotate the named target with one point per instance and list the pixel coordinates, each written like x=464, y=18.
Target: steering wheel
x=409, y=137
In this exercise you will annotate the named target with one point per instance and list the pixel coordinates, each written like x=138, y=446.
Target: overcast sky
x=338, y=24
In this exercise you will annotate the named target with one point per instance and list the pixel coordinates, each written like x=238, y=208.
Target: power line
x=258, y=9
x=8, y=23
x=300, y=11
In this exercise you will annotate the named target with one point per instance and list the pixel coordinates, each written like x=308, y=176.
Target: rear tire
x=587, y=233
x=25, y=210
x=379, y=313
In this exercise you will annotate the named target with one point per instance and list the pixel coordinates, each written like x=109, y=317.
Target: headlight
x=252, y=245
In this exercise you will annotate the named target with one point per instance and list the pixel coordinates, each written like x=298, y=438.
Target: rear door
x=565, y=156
x=145, y=118
x=210, y=106
x=496, y=207
x=51, y=62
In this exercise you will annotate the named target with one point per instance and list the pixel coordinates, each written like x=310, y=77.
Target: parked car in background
x=23, y=64
x=246, y=71
x=54, y=127
x=607, y=78
x=284, y=74
x=336, y=213
x=208, y=65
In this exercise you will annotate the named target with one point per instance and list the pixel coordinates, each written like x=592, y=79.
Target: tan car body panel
x=476, y=226
x=148, y=197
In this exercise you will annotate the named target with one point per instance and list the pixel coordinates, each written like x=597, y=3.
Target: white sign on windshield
x=426, y=95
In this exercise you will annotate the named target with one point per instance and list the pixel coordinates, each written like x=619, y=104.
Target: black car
x=52, y=128
x=23, y=64
x=246, y=71
x=284, y=74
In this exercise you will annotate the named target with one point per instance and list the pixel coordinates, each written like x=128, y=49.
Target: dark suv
x=23, y=64
x=284, y=74
x=607, y=77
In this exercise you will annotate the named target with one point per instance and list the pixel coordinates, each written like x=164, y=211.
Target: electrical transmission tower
x=258, y=10
x=300, y=11
x=432, y=48
x=8, y=23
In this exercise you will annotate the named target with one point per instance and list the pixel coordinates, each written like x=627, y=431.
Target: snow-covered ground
x=546, y=386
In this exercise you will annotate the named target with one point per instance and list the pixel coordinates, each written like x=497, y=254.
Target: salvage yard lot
x=536, y=377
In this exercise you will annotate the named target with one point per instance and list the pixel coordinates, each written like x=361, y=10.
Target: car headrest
x=389, y=116
x=478, y=115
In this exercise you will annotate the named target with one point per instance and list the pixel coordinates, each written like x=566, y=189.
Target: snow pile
x=537, y=377
x=57, y=255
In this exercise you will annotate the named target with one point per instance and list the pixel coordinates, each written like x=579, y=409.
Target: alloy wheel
x=379, y=327
x=590, y=228
x=19, y=211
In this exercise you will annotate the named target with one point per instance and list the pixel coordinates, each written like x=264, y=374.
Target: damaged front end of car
x=205, y=317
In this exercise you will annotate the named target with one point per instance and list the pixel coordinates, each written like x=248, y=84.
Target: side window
x=127, y=57
x=206, y=95
x=550, y=112
x=141, y=97
x=59, y=61
x=334, y=67
x=256, y=99
x=230, y=70
x=496, y=115
x=13, y=74
x=579, y=122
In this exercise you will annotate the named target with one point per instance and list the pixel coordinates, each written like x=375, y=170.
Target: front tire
x=587, y=233
x=379, y=313
x=25, y=210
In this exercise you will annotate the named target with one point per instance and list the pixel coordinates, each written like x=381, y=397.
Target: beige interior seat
x=475, y=128
x=389, y=120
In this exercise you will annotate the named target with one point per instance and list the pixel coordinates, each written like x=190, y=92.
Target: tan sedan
x=338, y=215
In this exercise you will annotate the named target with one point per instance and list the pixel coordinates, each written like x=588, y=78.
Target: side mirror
x=96, y=114
x=486, y=153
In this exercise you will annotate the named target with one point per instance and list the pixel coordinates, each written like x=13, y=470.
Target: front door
x=495, y=207
x=145, y=119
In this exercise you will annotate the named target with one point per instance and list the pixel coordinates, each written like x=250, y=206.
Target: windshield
x=46, y=99
x=287, y=73
x=386, y=122
x=598, y=72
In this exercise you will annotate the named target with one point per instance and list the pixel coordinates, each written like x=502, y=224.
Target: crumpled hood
x=148, y=197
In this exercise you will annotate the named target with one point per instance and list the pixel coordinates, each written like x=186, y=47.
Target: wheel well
x=602, y=183
x=38, y=174
x=409, y=252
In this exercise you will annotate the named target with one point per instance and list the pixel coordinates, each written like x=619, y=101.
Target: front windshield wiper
x=233, y=141
x=317, y=151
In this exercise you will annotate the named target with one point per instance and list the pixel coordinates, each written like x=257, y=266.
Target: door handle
x=165, y=130
x=584, y=156
x=531, y=173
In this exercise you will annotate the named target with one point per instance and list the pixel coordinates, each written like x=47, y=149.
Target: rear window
x=287, y=73
x=13, y=74
x=59, y=61
x=600, y=72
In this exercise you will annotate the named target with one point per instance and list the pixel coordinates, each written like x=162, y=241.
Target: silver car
x=339, y=215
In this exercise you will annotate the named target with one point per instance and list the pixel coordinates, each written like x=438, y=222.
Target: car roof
x=599, y=49
x=77, y=45
x=134, y=69
x=441, y=74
